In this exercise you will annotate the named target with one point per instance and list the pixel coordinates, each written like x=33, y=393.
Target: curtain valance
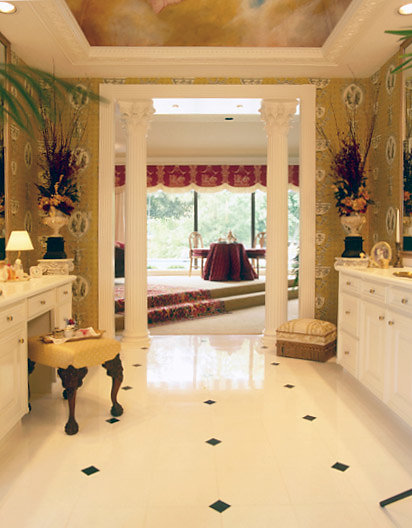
x=206, y=177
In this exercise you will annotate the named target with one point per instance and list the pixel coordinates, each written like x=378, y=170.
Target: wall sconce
x=19, y=241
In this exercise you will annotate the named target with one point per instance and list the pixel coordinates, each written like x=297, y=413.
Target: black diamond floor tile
x=340, y=467
x=209, y=402
x=127, y=387
x=309, y=417
x=219, y=506
x=112, y=420
x=288, y=386
x=213, y=441
x=90, y=470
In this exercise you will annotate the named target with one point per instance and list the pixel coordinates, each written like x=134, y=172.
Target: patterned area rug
x=168, y=303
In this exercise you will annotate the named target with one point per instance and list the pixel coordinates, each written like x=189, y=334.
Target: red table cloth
x=227, y=262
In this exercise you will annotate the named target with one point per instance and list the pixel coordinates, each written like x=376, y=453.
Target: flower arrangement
x=407, y=183
x=348, y=155
x=59, y=156
x=348, y=168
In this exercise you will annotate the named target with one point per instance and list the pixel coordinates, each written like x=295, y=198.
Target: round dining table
x=228, y=262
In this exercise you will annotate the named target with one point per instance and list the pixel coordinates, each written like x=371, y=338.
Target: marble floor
x=217, y=432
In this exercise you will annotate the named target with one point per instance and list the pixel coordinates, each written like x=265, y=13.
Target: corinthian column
x=277, y=116
x=136, y=116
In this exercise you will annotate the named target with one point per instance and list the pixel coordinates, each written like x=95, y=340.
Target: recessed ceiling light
x=406, y=9
x=6, y=8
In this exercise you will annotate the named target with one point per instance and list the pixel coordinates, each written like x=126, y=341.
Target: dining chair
x=259, y=245
x=196, y=250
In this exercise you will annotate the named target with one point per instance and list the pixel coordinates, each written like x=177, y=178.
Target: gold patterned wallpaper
x=81, y=234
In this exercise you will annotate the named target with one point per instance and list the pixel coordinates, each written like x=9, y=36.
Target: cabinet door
x=400, y=370
x=348, y=352
x=13, y=377
x=373, y=346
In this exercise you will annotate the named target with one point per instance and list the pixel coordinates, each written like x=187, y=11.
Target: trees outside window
x=171, y=218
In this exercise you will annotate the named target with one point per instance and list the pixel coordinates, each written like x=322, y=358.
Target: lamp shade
x=19, y=241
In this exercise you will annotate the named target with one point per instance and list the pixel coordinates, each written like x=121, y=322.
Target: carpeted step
x=237, y=289
x=237, y=302
x=188, y=310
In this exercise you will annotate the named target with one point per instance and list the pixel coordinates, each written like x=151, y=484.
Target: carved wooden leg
x=30, y=367
x=115, y=371
x=72, y=379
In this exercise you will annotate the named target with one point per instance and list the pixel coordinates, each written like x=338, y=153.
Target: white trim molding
x=330, y=60
x=306, y=94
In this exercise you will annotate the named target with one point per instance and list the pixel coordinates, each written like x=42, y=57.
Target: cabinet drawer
x=372, y=290
x=348, y=315
x=348, y=352
x=41, y=303
x=64, y=294
x=350, y=284
x=14, y=314
x=400, y=298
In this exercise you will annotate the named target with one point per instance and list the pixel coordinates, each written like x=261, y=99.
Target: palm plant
x=25, y=94
x=404, y=34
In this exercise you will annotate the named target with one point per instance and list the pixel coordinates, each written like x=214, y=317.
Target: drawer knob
x=371, y=290
x=391, y=323
x=21, y=340
x=381, y=317
x=42, y=301
x=404, y=301
x=65, y=292
x=348, y=283
x=347, y=352
x=347, y=312
x=9, y=318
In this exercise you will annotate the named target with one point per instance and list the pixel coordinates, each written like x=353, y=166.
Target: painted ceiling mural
x=231, y=23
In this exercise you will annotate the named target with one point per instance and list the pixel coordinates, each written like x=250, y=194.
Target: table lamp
x=19, y=241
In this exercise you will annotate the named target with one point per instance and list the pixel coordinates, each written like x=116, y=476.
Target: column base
x=268, y=340
x=131, y=340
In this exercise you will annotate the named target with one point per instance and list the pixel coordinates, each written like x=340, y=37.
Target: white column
x=276, y=115
x=136, y=116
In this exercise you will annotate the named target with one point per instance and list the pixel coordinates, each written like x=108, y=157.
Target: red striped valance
x=206, y=176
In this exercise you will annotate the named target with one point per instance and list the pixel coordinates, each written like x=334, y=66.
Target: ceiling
x=248, y=23
x=231, y=38
x=205, y=38
x=207, y=132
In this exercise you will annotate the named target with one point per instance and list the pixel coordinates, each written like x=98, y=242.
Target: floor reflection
x=205, y=362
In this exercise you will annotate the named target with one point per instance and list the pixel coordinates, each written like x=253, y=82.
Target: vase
x=55, y=220
x=353, y=224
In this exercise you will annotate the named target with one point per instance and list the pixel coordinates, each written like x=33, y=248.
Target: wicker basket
x=298, y=350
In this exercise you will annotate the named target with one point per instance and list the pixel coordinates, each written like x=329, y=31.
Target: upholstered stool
x=71, y=360
x=306, y=339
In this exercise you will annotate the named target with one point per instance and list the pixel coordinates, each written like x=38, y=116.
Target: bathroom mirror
x=407, y=154
x=4, y=57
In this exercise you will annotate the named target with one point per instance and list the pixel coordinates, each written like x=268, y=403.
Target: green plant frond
x=14, y=109
x=404, y=33
x=403, y=65
x=22, y=91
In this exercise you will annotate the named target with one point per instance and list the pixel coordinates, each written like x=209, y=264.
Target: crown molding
x=349, y=27
x=62, y=26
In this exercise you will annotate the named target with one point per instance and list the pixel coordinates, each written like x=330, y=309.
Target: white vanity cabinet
x=377, y=348
x=20, y=303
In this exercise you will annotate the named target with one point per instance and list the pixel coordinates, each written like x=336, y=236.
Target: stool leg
x=115, y=371
x=72, y=379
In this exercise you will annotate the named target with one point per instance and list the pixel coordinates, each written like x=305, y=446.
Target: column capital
x=136, y=113
x=277, y=115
